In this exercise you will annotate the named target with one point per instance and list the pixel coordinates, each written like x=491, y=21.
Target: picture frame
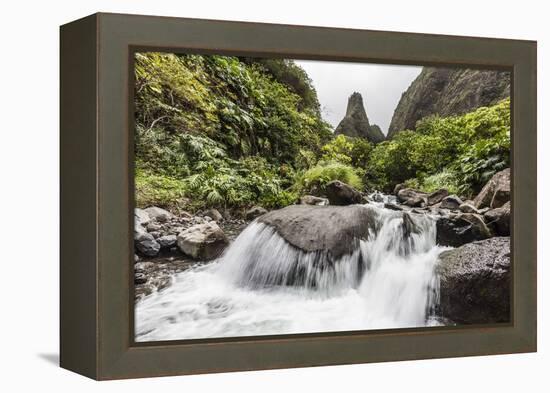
x=96, y=294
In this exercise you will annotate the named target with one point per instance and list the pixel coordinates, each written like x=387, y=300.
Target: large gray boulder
x=499, y=219
x=474, y=282
x=456, y=230
x=334, y=229
x=341, y=194
x=356, y=124
x=496, y=192
x=202, y=241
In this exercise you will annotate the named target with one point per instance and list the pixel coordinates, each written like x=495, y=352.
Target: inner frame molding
x=97, y=196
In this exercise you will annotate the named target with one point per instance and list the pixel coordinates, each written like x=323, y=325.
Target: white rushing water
x=264, y=286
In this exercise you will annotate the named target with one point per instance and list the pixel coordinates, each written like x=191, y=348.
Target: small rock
x=499, y=219
x=155, y=234
x=456, y=230
x=136, y=258
x=313, y=200
x=398, y=187
x=141, y=217
x=140, y=278
x=153, y=227
x=214, y=214
x=167, y=241
x=415, y=201
x=161, y=215
x=392, y=206
x=255, y=212
x=437, y=196
x=467, y=208
x=203, y=241
x=342, y=194
x=496, y=192
x=451, y=202
x=146, y=244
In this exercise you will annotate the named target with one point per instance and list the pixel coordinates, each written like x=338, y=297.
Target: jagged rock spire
x=356, y=123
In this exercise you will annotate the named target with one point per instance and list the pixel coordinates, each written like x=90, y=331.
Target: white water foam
x=264, y=286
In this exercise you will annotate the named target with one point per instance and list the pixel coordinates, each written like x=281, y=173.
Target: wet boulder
x=214, y=214
x=313, y=200
x=167, y=241
x=468, y=208
x=255, y=212
x=499, y=219
x=412, y=198
x=145, y=242
x=159, y=214
x=437, y=196
x=342, y=194
x=202, y=241
x=456, y=230
x=333, y=229
x=474, y=282
x=451, y=202
x=496, y=192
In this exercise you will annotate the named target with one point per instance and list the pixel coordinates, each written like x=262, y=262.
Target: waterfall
x=264, y=285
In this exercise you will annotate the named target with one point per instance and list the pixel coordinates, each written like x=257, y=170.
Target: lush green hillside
x=221, y=130
x=234, y=132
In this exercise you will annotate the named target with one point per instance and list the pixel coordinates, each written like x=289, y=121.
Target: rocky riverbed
x=478, y=231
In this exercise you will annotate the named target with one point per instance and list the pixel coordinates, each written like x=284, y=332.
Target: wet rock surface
x=342, y=194
x=475, y=282
x=315, y=228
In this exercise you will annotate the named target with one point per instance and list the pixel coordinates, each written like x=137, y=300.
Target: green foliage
x=203, y=122
x=348, y=151
x=314, y=179
x=471, y=147
x=159, y=190
x=446, y=179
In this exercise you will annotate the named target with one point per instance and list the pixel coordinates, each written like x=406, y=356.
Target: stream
x=262, y=285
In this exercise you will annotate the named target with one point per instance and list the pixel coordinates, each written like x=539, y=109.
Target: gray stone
x=468, y=208
x=146, y=243
x=456, y=230
x=313, y=200
x=451, y=202
x=153, y=227
x=499, y=219
x=255, y=212
x=342, y=194
x=214, y=214
x=496, y=192
x=141, y=217
x=474, y=282
x=437, y=196
x=336, y=229
x=392, y=206
x=167, y=241
x=203, y=241
x=159, y=214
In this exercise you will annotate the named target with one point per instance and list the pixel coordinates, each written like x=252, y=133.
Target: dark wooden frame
x=97, y=196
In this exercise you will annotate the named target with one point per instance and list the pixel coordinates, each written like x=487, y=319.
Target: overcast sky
x=380, y=85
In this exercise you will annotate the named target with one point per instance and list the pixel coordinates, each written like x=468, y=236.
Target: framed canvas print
x=254, y=196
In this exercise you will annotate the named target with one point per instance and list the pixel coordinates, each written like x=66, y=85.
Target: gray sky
x=380, y=85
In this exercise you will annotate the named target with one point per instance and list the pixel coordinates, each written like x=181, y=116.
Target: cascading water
x=262, y=285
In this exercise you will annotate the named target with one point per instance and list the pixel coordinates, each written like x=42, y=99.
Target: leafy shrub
x=315, y=179
x=472, y=147
x=158, y=190
x=446, y=179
